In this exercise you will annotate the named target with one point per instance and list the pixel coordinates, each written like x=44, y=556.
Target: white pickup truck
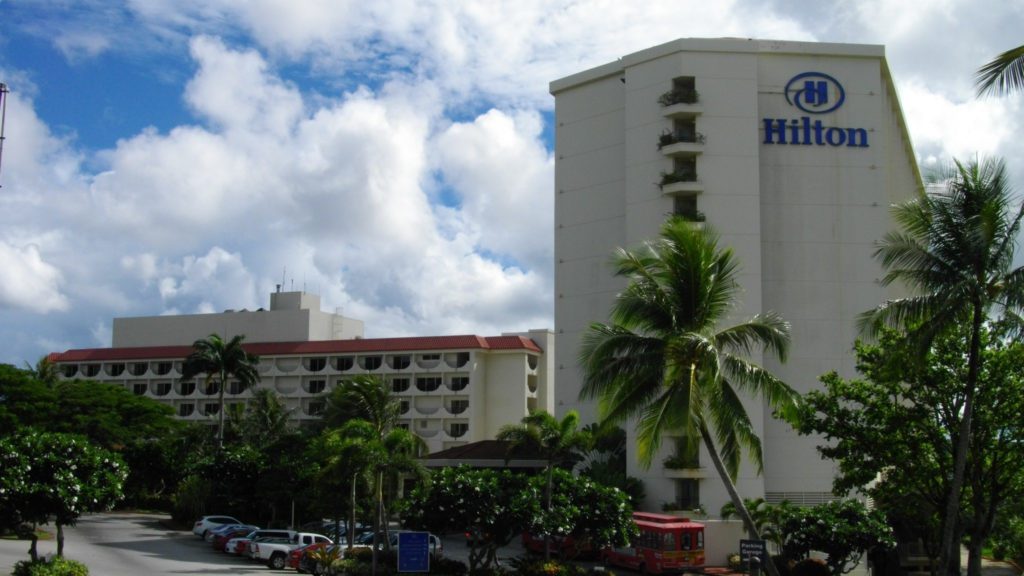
x=274, y=551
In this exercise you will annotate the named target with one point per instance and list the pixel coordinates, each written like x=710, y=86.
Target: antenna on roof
x=3, y=119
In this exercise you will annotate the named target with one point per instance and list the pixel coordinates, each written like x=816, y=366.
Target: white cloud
x=28, y=281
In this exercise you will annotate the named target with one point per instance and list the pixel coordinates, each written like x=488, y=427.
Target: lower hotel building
x=453, y=389
x=793, y=153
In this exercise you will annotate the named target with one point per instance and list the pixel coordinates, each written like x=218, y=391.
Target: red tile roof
x=360, y=346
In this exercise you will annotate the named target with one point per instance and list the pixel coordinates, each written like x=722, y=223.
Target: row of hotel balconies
x=447, y=428
x=359, y=363
x=682, y=143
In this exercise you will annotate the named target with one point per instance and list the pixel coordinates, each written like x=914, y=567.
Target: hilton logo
x=813, y=93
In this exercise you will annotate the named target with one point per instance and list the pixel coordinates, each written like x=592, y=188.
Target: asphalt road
x=128, y=544
x=125, y=544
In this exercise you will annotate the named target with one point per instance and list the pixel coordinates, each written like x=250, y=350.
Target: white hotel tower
x=793, y=152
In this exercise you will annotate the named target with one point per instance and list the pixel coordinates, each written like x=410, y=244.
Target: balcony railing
x=677, y=176
x=679, y=96
x=669, y=137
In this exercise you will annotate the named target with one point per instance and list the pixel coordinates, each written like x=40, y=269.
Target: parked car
x=207, y=523
x=274, y=551
x=241, y=545
x=366, y=541
x=295, y=556
x=224, y=528
x=220, y=541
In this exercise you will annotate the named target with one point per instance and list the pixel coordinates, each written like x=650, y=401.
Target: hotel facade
x=453, y=389
x=792, y=152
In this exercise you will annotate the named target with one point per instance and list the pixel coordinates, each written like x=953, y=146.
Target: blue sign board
x=414, y=552
x=813, y=93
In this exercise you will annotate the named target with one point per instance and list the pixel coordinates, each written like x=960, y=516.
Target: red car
x=221, y=540
x=295, y=556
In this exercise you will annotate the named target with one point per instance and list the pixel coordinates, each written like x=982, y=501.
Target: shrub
x=56, y=567
x=810, y=567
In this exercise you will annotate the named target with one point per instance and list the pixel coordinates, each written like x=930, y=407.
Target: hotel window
x=428, y=383
x=400, y=362
x=343, y=363
x=91, y=370
x=186, y=388
x=402, y=425
x=161, y=388
x=371, y=362
x=399, y=385
x=139, y=388
x=317, y=364
x=459, y=383
x=69, y=370
x=117, y=369
x=235, y=387
x=458, y=429
x=186, y=410
x=687, y=493
x=163, y=368
x=211, y=409
x=317, y=386
x=403, y=407
x=459, y=406
x=316, y=408
x=138, y=368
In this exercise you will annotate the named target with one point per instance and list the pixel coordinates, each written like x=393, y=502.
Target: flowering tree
x=844, y=530
x=60, y=476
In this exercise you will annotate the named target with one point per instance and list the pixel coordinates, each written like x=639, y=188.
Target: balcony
x=681, y=102
x=675, y=143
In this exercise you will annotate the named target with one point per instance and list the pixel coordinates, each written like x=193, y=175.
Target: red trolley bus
x=665, y=544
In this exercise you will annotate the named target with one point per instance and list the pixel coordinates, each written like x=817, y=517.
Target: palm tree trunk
x=950, y=563
x=220, y=410
x=352, y=515
x=734, y=495
x=547, y=508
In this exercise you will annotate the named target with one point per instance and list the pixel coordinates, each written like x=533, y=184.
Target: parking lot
x=129, y=544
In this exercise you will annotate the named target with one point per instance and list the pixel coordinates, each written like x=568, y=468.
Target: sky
x=394, y=156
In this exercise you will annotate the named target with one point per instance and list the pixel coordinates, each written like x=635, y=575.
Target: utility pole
x=3, y=118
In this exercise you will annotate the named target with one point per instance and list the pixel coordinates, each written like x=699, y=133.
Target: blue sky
x=181, y=156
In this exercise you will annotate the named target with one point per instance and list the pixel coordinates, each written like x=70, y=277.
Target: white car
x=207, y=523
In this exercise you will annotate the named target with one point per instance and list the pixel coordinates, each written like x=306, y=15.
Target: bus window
x=668, y=541
x=686, y=540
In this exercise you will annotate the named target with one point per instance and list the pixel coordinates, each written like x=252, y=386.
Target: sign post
x=750, y=549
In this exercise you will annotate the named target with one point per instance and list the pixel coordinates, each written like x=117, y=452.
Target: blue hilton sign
x=813, y=93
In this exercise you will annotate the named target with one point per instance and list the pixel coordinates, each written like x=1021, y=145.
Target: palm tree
x=365, y=410
x=955, y=253
x=1003, y=75
x=559, y=442
x=221, y=361
x=665, y=360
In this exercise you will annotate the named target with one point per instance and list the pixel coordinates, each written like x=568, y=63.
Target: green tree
x=221, y=361
x=665, y=360
x=592, y=515
x=46, y=476
x=606, y=462
x=954, y=252
x=558, y=442
x=484, y=503
x=844, y=530
x=364, y=409
x=894, y=432
x=1003, y=75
